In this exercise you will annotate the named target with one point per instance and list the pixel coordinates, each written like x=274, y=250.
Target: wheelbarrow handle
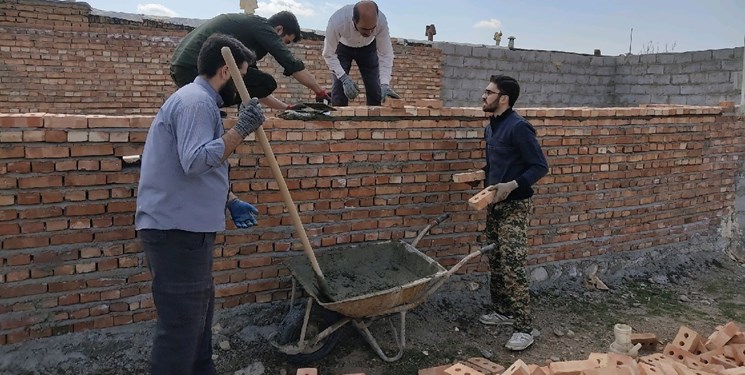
x=470, y=256
x=433, y=223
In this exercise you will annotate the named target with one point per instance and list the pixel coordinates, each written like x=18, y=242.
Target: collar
x=206, y=85
x=502, y=116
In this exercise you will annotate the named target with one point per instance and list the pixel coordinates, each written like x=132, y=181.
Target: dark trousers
x=367, y=61
x=184, y=295
x=259, y=84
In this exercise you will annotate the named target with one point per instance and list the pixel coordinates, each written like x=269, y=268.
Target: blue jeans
x=184, y=295
x=367, y=61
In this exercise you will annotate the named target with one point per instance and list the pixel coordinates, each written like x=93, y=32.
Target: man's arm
x=198, y=151
x=530, y=150
x=274, y=45
x=331, y=41
x=307, y=80
x=385, y=53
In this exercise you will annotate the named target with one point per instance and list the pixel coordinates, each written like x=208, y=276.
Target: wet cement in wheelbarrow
x=358, y=270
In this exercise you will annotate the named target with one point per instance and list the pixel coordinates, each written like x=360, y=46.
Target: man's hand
x=503, y=190
x=295, y=107
x=350, y=88
x=387, y=91
x=250, y=117
x=243, y=214
x=323, y=97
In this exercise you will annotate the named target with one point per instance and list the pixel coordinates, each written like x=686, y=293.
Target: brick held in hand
x=469, y=176
x=482, y=199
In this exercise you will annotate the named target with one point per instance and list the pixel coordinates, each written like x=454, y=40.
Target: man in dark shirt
x=262, y=36
x=514, y=162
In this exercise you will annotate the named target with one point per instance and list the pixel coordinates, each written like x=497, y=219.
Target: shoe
x=494, y=319
x=519, y=341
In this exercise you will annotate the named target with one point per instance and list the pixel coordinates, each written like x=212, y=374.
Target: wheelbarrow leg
x=362, y=327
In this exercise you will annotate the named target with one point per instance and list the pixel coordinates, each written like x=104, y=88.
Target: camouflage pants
x=506, y=225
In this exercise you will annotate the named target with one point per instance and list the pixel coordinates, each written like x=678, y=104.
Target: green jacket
x=254, y=32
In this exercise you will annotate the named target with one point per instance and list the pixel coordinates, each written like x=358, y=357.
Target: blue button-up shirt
x=183, y=183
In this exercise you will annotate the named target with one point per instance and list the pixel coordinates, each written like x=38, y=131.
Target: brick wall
x=620, y=180
x=57, y=57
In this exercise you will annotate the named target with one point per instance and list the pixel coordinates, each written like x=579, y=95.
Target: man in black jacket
x=262, y=36
x=514, y=162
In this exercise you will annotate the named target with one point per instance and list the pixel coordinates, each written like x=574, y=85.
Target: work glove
x=350, y=88
x=323, y=97
x=250, y=118
x=503, y=190
x=387, y=91
x=243, y=214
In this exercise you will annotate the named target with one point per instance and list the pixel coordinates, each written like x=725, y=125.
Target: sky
x=570, y=25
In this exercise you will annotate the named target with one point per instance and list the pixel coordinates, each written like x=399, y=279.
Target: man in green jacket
x=262, y=36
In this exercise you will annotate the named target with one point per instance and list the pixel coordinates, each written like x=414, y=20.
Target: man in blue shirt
x=514, y=162
x=181, y=201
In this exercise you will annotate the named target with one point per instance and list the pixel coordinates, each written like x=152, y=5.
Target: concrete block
x=482, y=199
x=307, y=371
x=722, y=336
x=517, y=368
x=439, y=370
x=701, y=55
x=481, y=51
x=686, y=339
x=571, y=367
x=486, y=366
x=461, y=369
x=463, y=50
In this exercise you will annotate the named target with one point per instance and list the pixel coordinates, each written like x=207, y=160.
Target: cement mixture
x=369, y=268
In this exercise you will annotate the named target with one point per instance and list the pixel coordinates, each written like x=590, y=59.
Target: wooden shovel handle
x=264, y=142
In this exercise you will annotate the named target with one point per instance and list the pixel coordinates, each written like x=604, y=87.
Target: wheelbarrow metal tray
x=370, y=279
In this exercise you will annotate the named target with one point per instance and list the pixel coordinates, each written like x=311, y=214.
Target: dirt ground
x=574, y=322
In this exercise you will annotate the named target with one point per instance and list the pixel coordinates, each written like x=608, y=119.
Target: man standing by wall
x=181, y=201
x=261, y=36
x=514, y=162
x=359, y=33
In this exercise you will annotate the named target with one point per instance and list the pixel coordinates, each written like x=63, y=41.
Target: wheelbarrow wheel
x=320, y=318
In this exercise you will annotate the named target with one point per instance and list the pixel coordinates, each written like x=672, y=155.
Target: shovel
x=261, y=137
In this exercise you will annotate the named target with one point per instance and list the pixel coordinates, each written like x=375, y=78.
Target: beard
x=490, y=107
x=228, y=93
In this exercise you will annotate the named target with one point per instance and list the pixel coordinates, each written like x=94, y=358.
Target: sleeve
x=531, y=153
x=268, y=39
x=385, y=54
x=329, y=48
x=198, y=151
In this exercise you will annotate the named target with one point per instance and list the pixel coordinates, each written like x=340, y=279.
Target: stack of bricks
x=723, y=353
x=620, y=180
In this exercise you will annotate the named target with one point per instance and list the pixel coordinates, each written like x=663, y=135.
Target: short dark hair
x=289, y=24
x=508, y=86
x=356, y=11
x=210, y=57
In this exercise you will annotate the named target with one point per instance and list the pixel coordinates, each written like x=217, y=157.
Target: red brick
x=29, y=198
x=39, y=182
x=91, y=150
x=36, y=213
x=47, y=152
x=12, y=291
x=65, y=121
x=26, y=120
x=25, y=242
x=89, y=165
x=84, y=209
x=71, y=238
x=85, y=180
x=55, y=136
x=108, y=122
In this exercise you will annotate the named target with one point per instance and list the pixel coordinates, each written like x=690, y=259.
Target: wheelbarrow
x=366, y=282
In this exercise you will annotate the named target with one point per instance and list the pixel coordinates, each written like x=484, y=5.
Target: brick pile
x=722, y=353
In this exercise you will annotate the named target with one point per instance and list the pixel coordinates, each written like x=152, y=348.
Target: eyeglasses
x=489, y=92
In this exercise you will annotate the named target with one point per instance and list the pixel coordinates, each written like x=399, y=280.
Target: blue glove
x=243, y=214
